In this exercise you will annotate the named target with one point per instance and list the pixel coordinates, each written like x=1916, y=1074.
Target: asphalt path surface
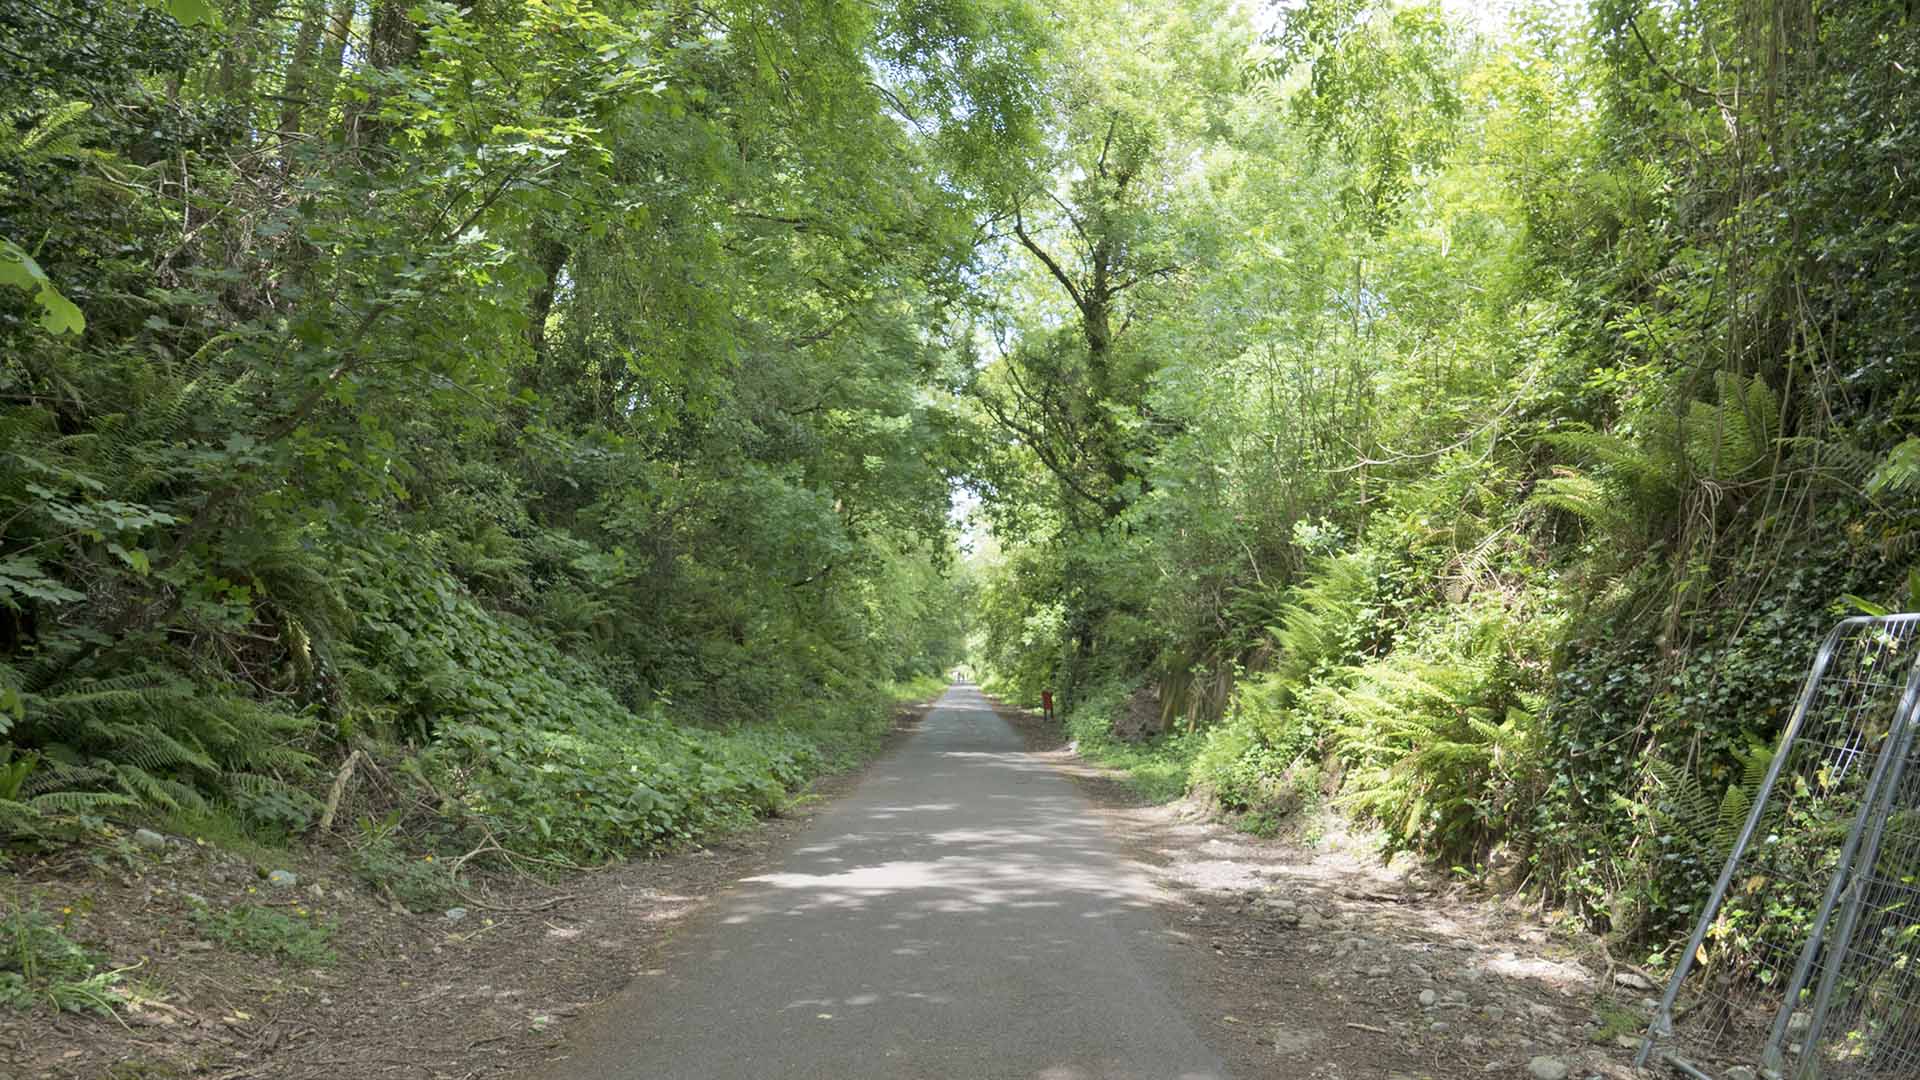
x=960, y=914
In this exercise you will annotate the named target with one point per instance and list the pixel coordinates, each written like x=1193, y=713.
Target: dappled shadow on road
x=961, y=914
x=1333, y=965
x=929, y=857
x=1320, y=962
x=991, y=830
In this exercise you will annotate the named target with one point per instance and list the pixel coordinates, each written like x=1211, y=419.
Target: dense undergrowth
x=1528, y=402
x=523, y=422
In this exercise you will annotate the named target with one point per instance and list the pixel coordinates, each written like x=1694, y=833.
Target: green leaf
x=1865, y=606
x=133, y=557
x=22, y=575
x=59, y=315
x=190, y=12
x=18, y=269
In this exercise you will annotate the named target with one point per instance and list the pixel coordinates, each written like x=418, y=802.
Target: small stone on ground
x=1547, y=1068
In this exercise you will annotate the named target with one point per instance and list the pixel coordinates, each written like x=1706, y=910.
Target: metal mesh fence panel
x=1864, y=1019
x=1742, y=999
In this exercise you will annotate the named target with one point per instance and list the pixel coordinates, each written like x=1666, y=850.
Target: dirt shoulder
x=409, y=996
x=1315, y=962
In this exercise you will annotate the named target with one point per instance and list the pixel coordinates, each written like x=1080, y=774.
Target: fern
x=1627, y=488
x=1585, y=497
x=157, y=791
x=1899, y=472
x=19, y=818
x=79, y=802
x=1681, y=805
x=576, y=615
x=48, y=139
x=151, y=739
x=1442, y=747
x=1319, y=627
x=1734, y=438
x=26, y=817
x=1647, y=465
x=151, y=747
x=59, y=775
x=1737, y=803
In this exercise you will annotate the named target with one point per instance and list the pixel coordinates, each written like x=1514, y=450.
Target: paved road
x=959, y=915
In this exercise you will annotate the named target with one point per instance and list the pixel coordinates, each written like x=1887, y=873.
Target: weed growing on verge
x=300, y=938
x=1157, y=768
x=419, y=883
x=41, y=965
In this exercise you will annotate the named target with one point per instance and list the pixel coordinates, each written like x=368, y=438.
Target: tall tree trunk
x=392, y=42
x=333, y=53
x=294, y=104
x=241, y=61
x=552, y=253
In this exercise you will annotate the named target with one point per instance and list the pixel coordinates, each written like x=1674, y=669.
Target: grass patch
x=41, y=965
x=227, y=829
x=918, y=689
x=1614, y=1019
x=300, y=938
x=1156, y=768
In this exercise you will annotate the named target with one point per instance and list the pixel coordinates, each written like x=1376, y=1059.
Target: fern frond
x=55, y=775
x=1899, y=472
x=78, y=802
x=1734, y=437
x=1317, y=626
x=19, y=818
x=157, y=790
x=155, y=739
x=48, y=138
x=1645, y=464
x=151, y=748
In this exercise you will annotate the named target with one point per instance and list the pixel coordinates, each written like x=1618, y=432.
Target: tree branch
x=899, y=107
x=1036, y=442
x=1148, y=275
x=1071, y=219
x=799, y=224
x=1666, y=71
x=1026, y=241
x=814, y=337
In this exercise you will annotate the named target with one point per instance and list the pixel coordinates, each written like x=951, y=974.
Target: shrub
x=154, y=740
x=527, y=745
x=1159, y=768
x=1242, y=761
